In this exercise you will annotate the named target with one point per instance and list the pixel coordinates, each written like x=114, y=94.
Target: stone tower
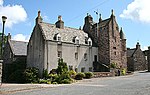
x=110, y=40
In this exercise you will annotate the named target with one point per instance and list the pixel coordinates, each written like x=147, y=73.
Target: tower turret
x=122, y=36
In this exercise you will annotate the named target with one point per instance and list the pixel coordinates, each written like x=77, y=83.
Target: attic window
x=57, y=37
x=86, y=40
x=76, y=40
x=89, y=42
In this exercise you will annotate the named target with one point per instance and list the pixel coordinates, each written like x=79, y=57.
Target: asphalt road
x=136, y=84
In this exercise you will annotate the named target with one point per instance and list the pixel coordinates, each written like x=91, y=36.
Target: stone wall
x=1, y=71
x=148, y=58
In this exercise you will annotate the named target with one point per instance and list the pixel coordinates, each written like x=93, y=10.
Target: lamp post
x=2, y=45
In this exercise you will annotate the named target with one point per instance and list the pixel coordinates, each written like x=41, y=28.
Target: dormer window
x=76, y=40
x=86, y=40
x=57, y=37
x=89, y=42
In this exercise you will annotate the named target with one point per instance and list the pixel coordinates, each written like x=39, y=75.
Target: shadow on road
x=144, y=72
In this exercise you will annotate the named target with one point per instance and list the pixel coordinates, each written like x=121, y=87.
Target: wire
x=72, y=19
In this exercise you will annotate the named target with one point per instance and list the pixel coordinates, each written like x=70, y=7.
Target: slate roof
x=130, y=52
x=104, y=22
x=19, y=47
x=67, y=34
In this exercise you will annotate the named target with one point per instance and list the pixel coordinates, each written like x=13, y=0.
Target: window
x=114, y=47
x=85, y=56
x=70, y=67
x=146, y=57
x=95, y=58
x=90, y=42
x=76, y=55
x=83, y=69
x=60, y=54
x=59, y=38
x=77, y=41
x=115, y=53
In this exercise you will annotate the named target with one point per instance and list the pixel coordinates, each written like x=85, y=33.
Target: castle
x=92, y=49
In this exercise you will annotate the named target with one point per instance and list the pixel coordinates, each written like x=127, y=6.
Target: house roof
x=104, y=22
x=19, y=47
x=130, y=52
x=67, y=34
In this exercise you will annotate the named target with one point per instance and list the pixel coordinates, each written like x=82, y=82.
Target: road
x=136, y=84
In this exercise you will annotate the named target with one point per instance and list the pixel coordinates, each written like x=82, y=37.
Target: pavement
x=136, y=84
x=6, y=88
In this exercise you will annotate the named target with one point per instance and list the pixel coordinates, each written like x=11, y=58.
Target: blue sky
x=132, y=15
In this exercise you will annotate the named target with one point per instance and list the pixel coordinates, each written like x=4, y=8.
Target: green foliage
x=66, y=81
x=31, y=75
x=113, y=65
x=5, y=39
x=54, y=83
x=79, y=76
x=88, y=75
x=123, y=71
x=72, y=73
x=45, y=74
x=45, y=81
x=62, y=67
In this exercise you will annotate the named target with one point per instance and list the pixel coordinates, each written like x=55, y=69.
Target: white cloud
x=46, y=18
x=21, y=37
x=1, y=2
x=14, y=13
x=144, y=48
x=138, y=10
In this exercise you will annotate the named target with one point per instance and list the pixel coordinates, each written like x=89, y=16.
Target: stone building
x=136, y=60
x=15, y=54
x=14, y=51
x=49, y=42
x=148, y=58
x=92, y=49
x=110, y=41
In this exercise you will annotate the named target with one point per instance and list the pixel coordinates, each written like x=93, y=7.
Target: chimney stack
x=59, y=23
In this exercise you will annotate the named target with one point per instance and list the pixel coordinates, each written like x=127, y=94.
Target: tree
x=5, y=39
x=62, y=67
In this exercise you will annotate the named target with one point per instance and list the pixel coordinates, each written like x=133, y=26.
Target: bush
x=113, y=65
x=44, y=81
x=31, y=75
x=62, y=67
x=123, y=72
x=54, y=83
x=66, y=81
x=72, y=73
x=79, y=76
x=45, y=74
x=88, y=75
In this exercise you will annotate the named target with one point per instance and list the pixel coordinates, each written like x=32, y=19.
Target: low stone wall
x=1, y=71
x=102, y=74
